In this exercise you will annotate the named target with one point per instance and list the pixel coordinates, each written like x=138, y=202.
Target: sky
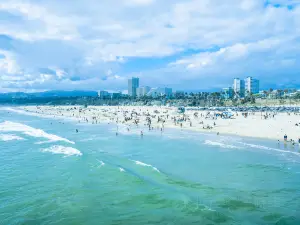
x=184, y=44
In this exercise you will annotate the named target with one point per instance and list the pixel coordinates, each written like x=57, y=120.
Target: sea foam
x=58, y=149
x=101, y=163
x=10, y=137
x=222, y=145
x=9, y=126
x=268, y=148
x=146, y=165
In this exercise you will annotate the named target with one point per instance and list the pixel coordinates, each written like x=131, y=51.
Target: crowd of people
x=256, y=124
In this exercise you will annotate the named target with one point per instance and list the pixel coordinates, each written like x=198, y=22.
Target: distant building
x=142, y=91
x=166, y=92
x=263, y=94
x=227, y=93
x=251, y=85
x=239, y=87
x=157, y=92
x=179, y=94
x=154, y=93
x=116, y=95
x=133, y=84
x=103, y=94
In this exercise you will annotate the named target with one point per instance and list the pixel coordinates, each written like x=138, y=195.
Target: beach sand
x=255, y=125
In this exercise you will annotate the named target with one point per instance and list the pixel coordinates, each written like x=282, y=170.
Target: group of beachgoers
x=285, y=138
x=139, y=119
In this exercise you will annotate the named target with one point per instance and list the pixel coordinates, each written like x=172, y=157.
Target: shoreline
x=252, y=126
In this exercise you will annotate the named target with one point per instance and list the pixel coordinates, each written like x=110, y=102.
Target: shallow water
x=52, y=175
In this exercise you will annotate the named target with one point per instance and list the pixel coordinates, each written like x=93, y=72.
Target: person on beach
x=142, y=134
x=285, y=137
x=299, y=140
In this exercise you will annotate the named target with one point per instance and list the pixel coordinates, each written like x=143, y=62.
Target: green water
x=177, y=177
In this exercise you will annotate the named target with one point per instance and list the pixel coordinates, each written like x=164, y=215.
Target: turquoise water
x=52, y=175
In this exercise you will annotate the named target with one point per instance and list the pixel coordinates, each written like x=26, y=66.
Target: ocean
x=50, y=174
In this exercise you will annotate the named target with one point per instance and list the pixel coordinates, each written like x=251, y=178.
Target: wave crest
x=10, y=137
x=146, y=165
x=9, y=126
x=222, y=145
x=58, y=149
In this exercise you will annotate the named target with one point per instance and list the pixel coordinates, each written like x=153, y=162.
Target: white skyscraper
x=133, y=84
x=239, y=87
x=252, y=85
x=142, y=91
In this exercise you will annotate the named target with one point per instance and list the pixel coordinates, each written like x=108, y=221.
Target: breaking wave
x=58, y=149
x=268, y=148
x=222, y=145
x=9, y=126
x=10, y=137
x=146, y=165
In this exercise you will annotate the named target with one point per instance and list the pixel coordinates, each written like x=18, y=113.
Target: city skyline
x=50, y=45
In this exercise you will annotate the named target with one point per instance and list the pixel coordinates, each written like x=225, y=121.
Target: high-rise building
x=133, y=84
x=251, y=85
x=239, y=87
x=142, y=91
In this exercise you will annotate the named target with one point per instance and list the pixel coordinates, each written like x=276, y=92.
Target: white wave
x=24, y=112
x=146, y=165
x=58, y=149
x=19, y=111
x=10, y=137
x=101, y=163
x=268, y=148
x=9, y=126
x=121, y=169
x=44, y=142
x=222, y=145
x=94, y=138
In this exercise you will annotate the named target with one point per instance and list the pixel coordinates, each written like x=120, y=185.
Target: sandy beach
x=144, y=118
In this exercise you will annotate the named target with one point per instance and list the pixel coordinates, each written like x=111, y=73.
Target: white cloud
x=8, y=64
x=139, y=2
x=83, y=40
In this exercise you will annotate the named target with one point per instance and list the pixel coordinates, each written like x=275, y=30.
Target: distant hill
x=48, y=94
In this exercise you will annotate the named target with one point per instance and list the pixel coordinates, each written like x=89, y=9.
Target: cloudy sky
x=184, y=44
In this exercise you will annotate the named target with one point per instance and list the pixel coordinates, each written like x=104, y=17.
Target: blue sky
x=184, y=44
